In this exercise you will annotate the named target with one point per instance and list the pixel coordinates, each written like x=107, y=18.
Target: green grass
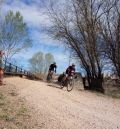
x=22, y=111
x=6, y=117
x=13, y=111
x=2, y=100
x=2, y=97
x=116, y=96
x=110, y=94
x=13, y=93
x=2, y=103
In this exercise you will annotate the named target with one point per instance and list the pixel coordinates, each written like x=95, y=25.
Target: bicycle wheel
x=70, y=85
x=61, y=84
x=49, y=77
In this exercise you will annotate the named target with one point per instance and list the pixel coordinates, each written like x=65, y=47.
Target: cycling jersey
x=52, y=67
x=70, y=71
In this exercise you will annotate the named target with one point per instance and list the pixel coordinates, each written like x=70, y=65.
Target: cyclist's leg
x=49, y=75
x=70, y=84
x=65, y=77
x=52, y=72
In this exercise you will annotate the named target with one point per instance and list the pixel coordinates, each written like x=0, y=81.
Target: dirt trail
x=59, y=109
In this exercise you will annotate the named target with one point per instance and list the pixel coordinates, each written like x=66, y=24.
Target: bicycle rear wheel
x=70, y=85
x=49, y=78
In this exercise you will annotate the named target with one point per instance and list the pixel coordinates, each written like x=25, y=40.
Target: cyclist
x=52, y=69
x=70, y=71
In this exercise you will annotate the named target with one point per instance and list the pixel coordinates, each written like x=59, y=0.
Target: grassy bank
x=14, y=113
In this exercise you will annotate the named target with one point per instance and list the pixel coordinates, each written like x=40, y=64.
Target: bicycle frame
x=68, y=82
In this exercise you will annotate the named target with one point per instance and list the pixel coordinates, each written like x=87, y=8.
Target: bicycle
x=68, y=82
x=49, y=76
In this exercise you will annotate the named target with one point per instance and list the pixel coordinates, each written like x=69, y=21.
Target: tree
x=14, y=35
x=76, y=25
x=1, y=2
x=37, y=62
x=110, y=31
x=49, y=58
x=40, y=62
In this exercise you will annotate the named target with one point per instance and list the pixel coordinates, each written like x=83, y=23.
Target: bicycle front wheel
x=70, y=85
x=61, y=85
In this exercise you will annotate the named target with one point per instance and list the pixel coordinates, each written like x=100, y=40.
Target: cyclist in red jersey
x=70, y=71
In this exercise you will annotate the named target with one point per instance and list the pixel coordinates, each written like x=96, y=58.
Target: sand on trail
x=59, y=109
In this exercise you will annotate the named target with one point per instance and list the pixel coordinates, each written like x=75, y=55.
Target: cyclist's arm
x=55, y=69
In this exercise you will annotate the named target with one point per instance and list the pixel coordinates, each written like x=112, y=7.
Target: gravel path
x=59, y=109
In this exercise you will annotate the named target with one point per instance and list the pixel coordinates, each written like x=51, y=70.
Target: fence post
x=27, y=74
x=16, y=69
x=5, y=64
x=10, y=67
x=21, y=71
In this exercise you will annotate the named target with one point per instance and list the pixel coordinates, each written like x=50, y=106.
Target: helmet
x=54, y=63
x=73, y=65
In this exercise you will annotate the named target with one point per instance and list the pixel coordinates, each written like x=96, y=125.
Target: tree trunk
x=95, y=84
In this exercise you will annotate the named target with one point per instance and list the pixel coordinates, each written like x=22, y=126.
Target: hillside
x=58, y=109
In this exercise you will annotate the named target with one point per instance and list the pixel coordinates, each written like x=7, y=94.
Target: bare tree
x=49, y=59
x=1, y=2
x=39, y=63
x=76, y=25
x=14, y=36
x=110, y=30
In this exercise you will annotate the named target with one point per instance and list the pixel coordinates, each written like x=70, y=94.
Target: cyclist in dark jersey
x=53, y=67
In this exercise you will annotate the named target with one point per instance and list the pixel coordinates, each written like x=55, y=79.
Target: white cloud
x=40, y=37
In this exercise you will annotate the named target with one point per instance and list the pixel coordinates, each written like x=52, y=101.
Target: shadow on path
x=54, y=85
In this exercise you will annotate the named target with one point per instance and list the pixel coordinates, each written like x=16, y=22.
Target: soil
x=53, y=108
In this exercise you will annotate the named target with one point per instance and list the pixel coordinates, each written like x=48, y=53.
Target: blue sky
x=34, y=15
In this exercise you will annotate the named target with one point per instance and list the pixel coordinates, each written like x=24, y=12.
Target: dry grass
x=40, y=75
x=112, y=89
x=14, y=114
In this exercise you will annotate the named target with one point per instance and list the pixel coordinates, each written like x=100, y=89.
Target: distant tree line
x=91, y=31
